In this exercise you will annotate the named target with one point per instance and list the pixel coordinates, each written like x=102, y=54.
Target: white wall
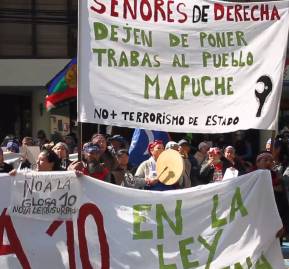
x=39, y=121
x=32, y=73
x=29, y=72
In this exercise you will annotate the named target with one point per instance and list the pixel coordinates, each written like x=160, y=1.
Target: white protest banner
x=12, y=158
x=231, y=224
x=181, y=66
x=45, y=195
x=30, y=153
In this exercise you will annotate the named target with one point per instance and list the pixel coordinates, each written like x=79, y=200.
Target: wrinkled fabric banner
x=182, y=66
x=231, y=224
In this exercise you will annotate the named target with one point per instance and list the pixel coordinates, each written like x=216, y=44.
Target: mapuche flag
x=63, y=86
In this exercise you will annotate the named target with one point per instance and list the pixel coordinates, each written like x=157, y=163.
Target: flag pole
x=79, y=148
x=273, y=135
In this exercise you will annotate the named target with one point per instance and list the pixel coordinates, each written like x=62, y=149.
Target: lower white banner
x=224, y=225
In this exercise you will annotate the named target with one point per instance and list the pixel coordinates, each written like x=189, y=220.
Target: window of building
x=38, y=28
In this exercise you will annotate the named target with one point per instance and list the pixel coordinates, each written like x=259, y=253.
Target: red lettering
x=238, y=15
x=229, y=8
x=246, y=13
x=15, y=244
x=69, y=239
x=254, y=8
x=113, y=4
x=218, y=8
x=264, y=12
x=100, y=9
x=185, y=16
x=275, y=14
x=145, y=17
x=127, y=7
x=170, y=12
x=84, y=212
x=159, y=9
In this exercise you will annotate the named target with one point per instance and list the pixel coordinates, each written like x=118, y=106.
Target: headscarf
x=153, y=144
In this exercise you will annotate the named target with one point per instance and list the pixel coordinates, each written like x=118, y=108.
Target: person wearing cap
x=202, y=152
x=212, y=168
x=4, y=167
x=105, y=155
x=12, y=146
x=123, y=167
x=172, y=145
x=91, y=165
x=117, y=142
x=61, y=150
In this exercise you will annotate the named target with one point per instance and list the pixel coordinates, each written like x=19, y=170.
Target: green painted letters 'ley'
x=212, y=248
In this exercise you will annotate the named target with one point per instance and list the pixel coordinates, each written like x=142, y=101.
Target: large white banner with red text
x=181, y=66
x=231, y=224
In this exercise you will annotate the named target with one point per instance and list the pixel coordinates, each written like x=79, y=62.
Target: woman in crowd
x=48, y=161
x=147, y=169
x=212, y=168
x=230, y=160
x=61, y=151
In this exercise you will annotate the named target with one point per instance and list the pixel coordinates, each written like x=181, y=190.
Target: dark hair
x=51, y=157
x=41, y=134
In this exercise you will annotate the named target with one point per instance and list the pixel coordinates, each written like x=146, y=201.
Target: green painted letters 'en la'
x=237, y=205
x=137, y=220
x=215, y=221
x=161, y=213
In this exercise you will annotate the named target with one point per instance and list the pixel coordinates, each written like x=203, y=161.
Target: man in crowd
x=202, y=152
x=91, y=165
x=105, y=156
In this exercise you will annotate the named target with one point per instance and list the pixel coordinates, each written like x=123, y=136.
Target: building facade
x=38, y=38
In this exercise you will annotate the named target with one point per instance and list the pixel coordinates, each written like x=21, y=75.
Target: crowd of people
x=107, y=158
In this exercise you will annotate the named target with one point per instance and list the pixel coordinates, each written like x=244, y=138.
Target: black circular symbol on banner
x=262, y=96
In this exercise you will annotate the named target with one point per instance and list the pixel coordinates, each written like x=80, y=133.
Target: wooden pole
x=273, y=135
x=79, y=148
